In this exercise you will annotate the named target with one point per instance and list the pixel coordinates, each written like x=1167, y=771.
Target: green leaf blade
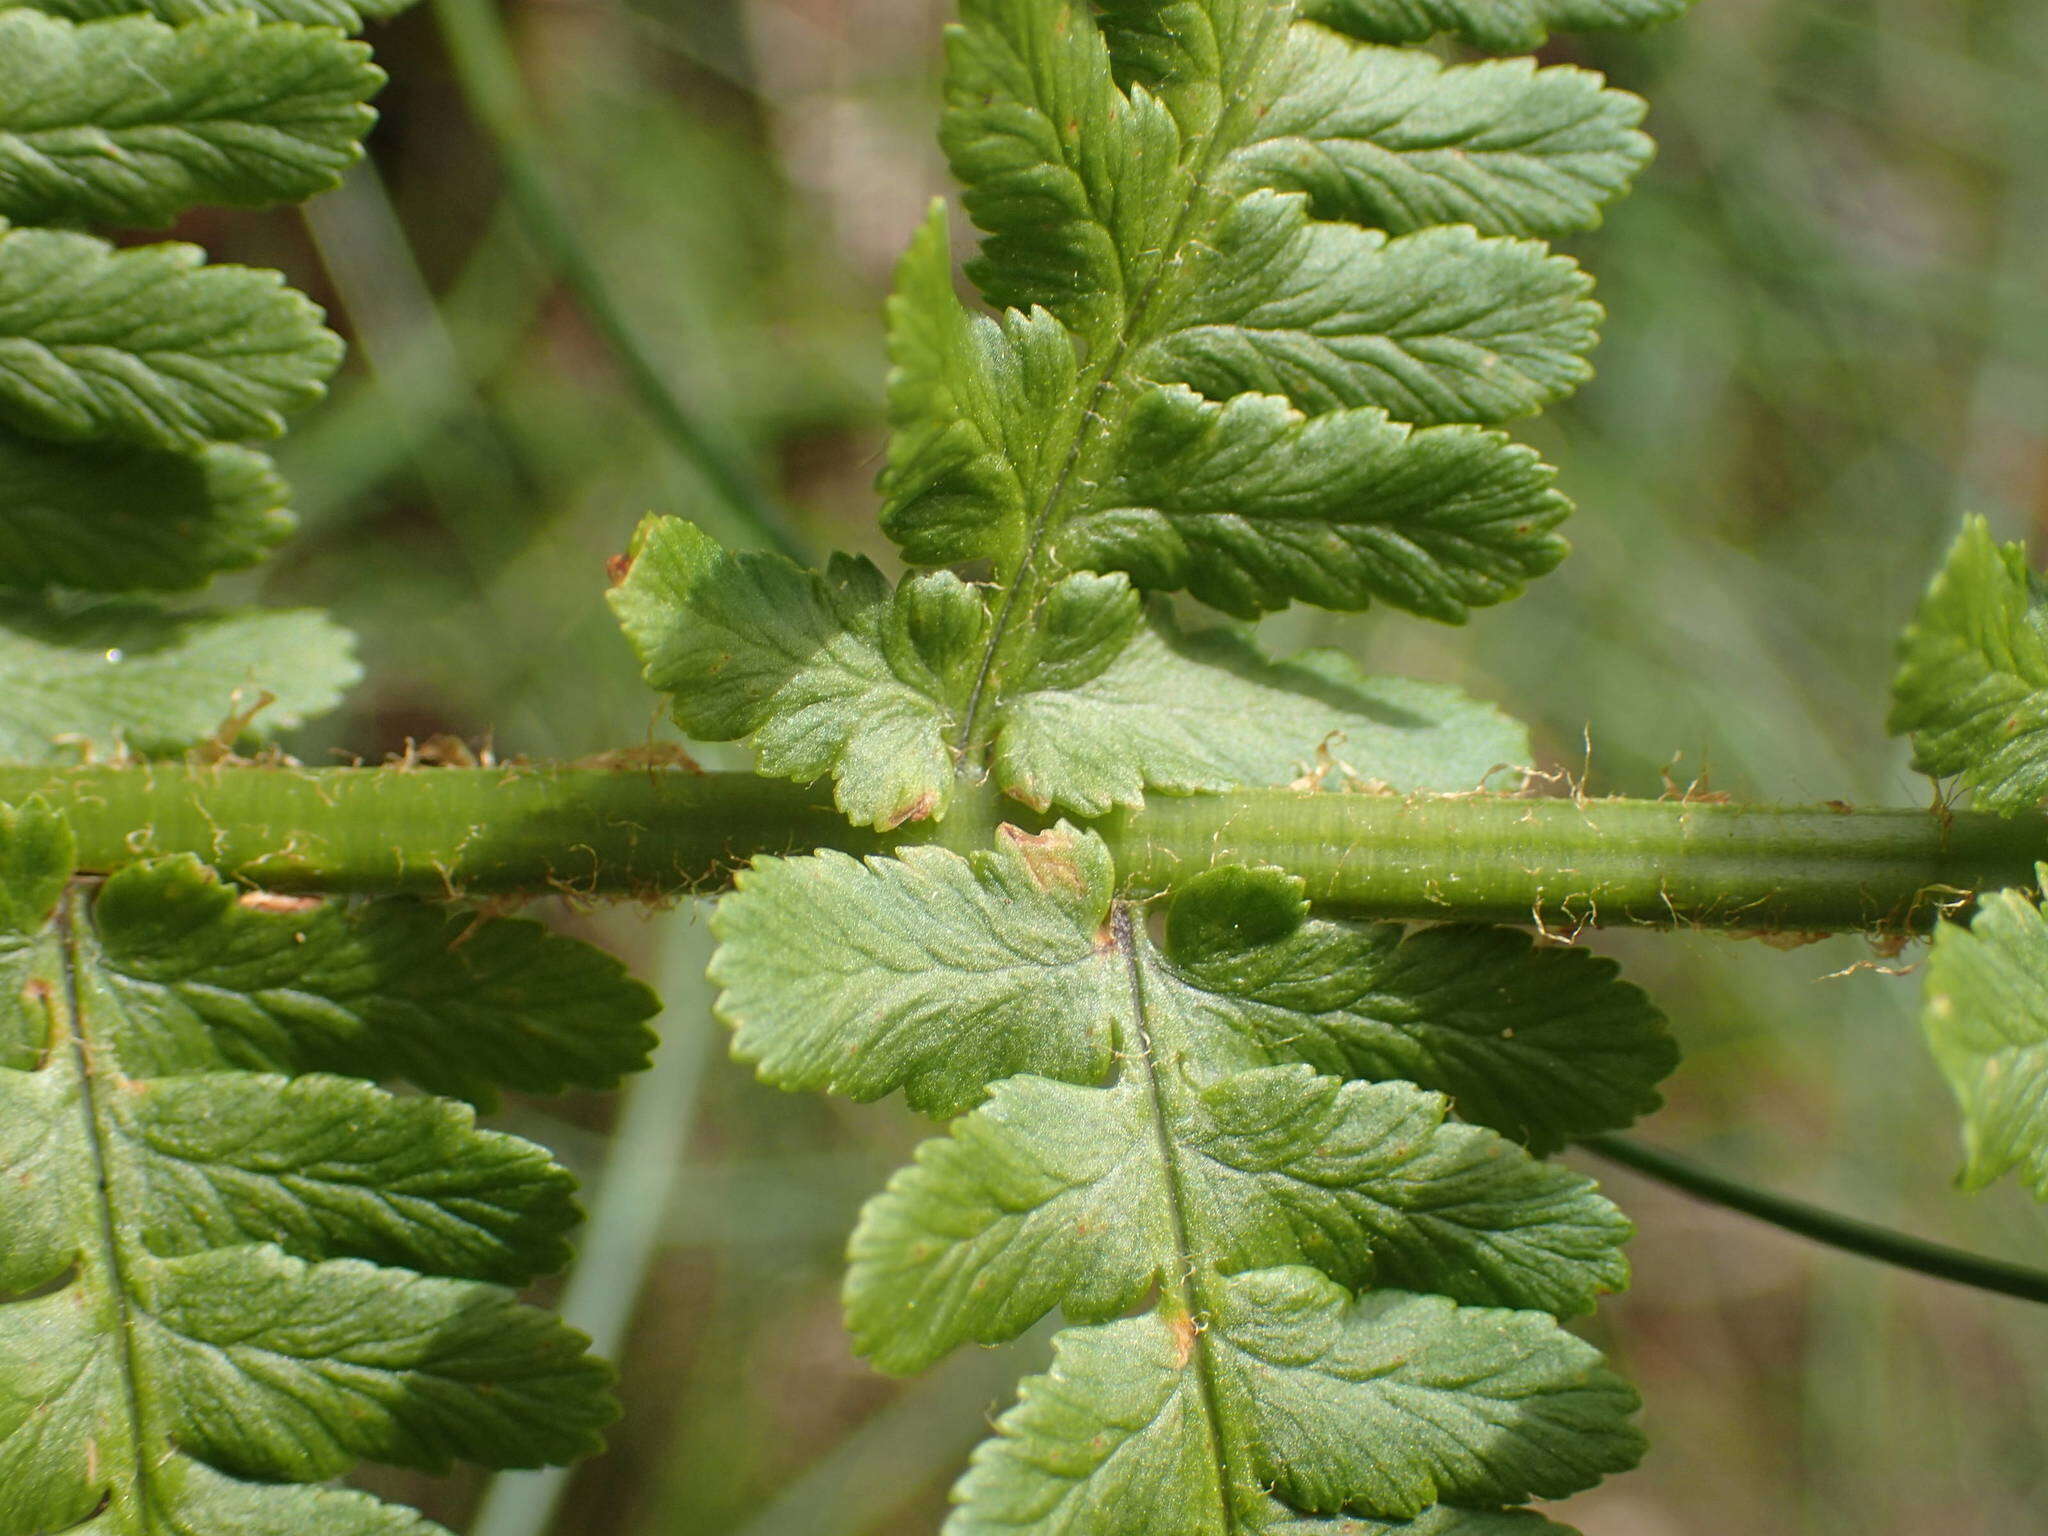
x=813, y=671
x=348, y=15
x=1493, y=24
x=130, y=122
x=1380, y=1406
x=330, y=1166
x=1112, y=1441
x=1986, y=1020
x=164, y=1362
x=1079, y=185
x=1972, y=682
x=149, y=346
x=925, y=972
x=121, y=675
x=1390, y=1402
x=201, y=1502
x=1394, y=139
x=1250, y=505
x=1190, y=713
x=1050, y=1195
x=101, y=519
x=1056, y=1195
x=1436, y=327
x=282, y=1369
x=208, y=980
x=1543, y=1044
x=975, y=406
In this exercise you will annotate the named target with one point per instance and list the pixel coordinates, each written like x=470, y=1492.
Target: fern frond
x=232, y=1271
x=128, y=377
x=130, y=121
x=1263, y=292
x=1153, y=1133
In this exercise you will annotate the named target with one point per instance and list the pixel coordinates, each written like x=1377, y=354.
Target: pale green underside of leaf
x=1251, y=505
x=1186, y=713
x=149, y=346
x=1056, y=1195
x=1394, y=139
x=809, y=669
x=1543, y=1044
x=1495, y=24
x=103, y=519
x=1972, y=681
x=1437, y=326
x=928, y=972
x=276, y=1276
x=130, y=121
x=349, y=15
x=1382, y=1405
x=835, y=675
x=95, y=679
x=1986, y=1020
x=827, y=977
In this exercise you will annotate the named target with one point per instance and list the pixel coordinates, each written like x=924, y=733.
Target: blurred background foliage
x=1828, y=338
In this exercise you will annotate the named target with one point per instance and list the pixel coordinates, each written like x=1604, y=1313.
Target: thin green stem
x=489, y=75
x=1824, y=1226
x=615, y=829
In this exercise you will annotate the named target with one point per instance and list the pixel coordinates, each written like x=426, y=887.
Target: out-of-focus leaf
x=1987, y=1022
x=129, y=121
x=1972, y=683
x=126, y=674
x=104, y=519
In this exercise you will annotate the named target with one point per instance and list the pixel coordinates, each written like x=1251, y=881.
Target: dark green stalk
x=490, y=80
x=1825, y=1226
x=1563, y=864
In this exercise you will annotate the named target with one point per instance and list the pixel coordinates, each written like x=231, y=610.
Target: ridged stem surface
x=1563, y=864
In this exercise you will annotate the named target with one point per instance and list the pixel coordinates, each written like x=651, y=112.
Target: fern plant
x=234, y=1265
x=1080, y=873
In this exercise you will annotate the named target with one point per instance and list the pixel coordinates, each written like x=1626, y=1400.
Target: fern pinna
x=233, y=1265
x=1263, y=284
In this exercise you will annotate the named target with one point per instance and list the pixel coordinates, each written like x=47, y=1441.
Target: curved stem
x=1825, y=1226
x=490, y=80
x=616, y=828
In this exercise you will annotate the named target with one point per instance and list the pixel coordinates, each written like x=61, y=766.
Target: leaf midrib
x=1090, y=424
x=1182, y=1284
x=111, y=1258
